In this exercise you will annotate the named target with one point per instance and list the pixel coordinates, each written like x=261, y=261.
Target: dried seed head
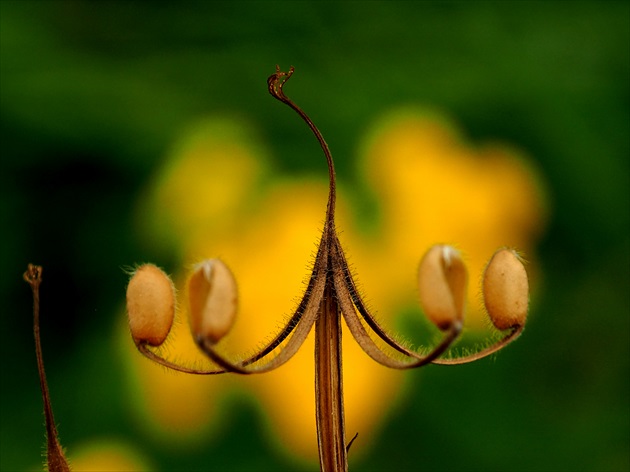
x=506, y=290
x=150, y=305
x=213, y=297
x=442, y=279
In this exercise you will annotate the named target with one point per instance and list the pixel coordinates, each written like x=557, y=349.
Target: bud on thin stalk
x=150, y=305
x=506, y=290
x=442, y=279
x=213, y=299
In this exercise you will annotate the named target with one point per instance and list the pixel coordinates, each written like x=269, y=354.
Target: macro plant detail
x=331, y=293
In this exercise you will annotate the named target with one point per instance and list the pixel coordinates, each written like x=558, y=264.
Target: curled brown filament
x=331, y=294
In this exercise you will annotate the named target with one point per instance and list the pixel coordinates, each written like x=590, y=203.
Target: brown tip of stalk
x=506, y=290
x=150, y=305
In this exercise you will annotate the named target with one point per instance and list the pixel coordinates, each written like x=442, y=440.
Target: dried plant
x=331, y=293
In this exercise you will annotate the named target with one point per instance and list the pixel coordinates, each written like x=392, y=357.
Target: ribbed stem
x=329, y=386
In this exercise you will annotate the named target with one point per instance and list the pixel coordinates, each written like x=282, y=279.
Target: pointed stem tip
x=275, y=83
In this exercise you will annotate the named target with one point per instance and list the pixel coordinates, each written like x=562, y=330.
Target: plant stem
x=55, y=458
x=329, y=385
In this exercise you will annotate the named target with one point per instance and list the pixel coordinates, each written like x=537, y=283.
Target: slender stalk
x=275, y=83
x=331, y=435
x=55, y=458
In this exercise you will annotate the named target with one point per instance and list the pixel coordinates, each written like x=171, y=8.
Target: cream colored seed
x=150, y=305
x=442, y=279
x=506, y=290
x=212, y=296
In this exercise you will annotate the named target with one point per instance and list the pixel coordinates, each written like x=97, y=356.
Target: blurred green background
x=93, y=95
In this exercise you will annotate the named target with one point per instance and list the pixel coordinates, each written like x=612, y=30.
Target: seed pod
x=442, y=279
x=150, y=305
x=213, y=297
x=506, y=290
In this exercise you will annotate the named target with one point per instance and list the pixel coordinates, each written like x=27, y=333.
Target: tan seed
x=150, y=305
x=506, y=290
x=212, y=296
x=442, y=280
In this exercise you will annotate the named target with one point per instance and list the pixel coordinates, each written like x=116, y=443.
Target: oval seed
x=213, y=298
x=506, y=290
x=150, y=305
x=442, y=279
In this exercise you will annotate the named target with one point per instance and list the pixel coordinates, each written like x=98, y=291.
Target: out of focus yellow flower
x=434, y=187
x=215, y=198
x=105, y=455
